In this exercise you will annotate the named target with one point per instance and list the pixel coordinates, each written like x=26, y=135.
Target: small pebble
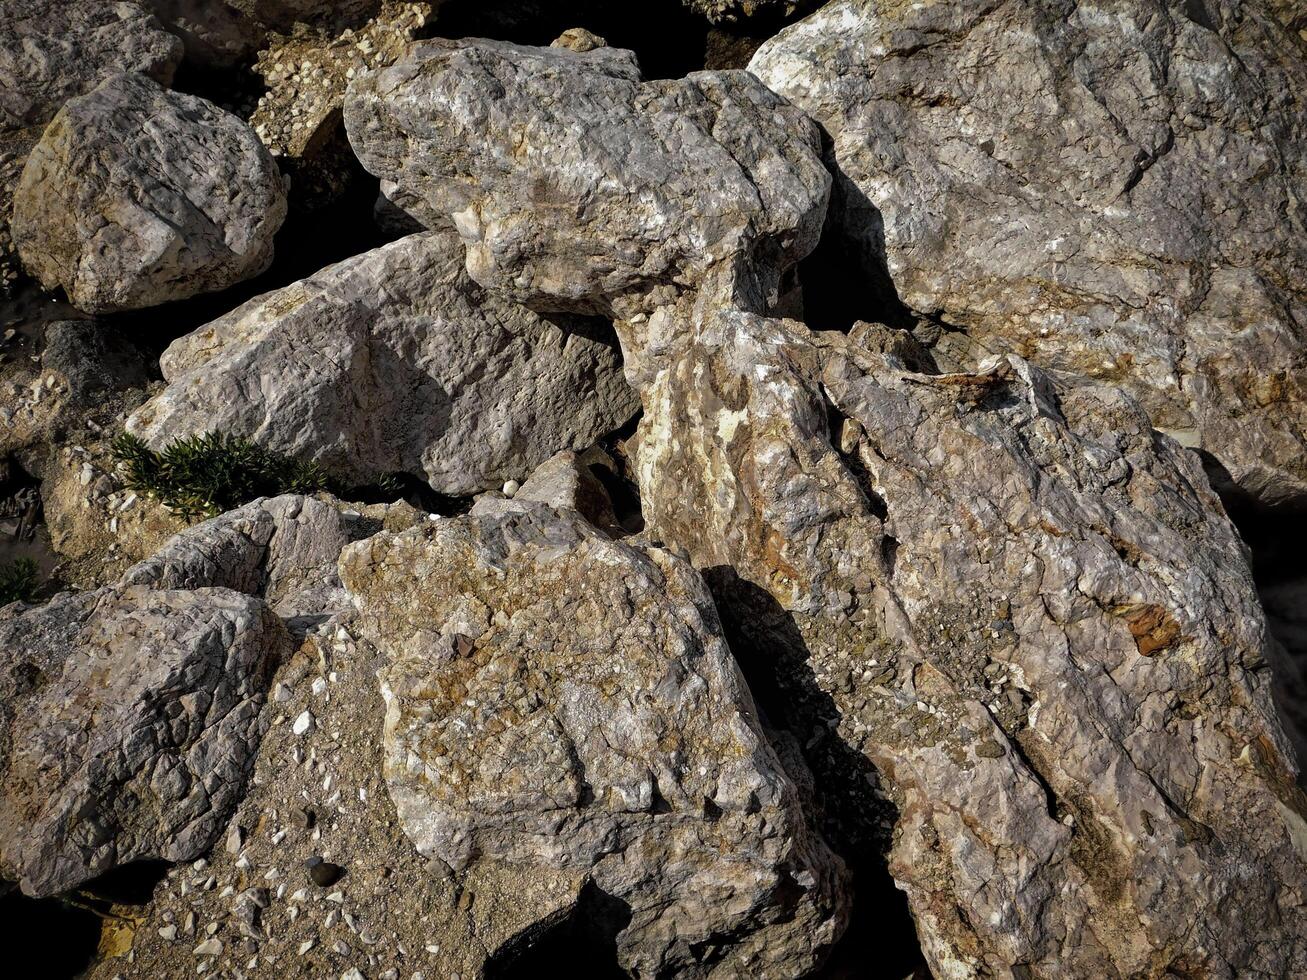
x=325, y=874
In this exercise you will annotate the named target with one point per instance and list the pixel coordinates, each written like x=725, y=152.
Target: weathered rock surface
x=129, y=719
x=282, y=549
x=638, y=192
x=52, y=52
x=1109, y=188
x=395, y=362
x=1026, y=609
x=563, y=481
x=136, y=196
x=565, y=703
x=306, y=72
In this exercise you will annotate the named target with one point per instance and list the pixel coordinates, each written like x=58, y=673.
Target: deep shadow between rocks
x=847, y=279
x=583, y=944
x=63, y=934
x=669, y=39
x=1277, y=538
x=854, y=819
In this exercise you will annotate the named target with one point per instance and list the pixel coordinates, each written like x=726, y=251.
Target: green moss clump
x=19, y=581
x=205, y=475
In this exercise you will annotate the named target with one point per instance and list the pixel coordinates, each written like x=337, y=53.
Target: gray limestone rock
x=561, y=702
x=282, y=549
x=395, y=362
x=1112, y=188
x=136, y=196
x=129, y=720
x=1026, y=610
x=565, y=480
x=577, y=186
x=52, y=52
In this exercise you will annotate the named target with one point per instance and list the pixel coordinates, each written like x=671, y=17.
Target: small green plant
x=19, y=580
x=202, y=476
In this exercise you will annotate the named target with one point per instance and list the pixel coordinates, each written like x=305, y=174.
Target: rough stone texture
x=564, y=481
x=52, y=52
x=637, y=192
x=395, y=362
x=1113, y=188
x=135, y=196
x=1026, y=609
x=559, y=701
x=283, y=549
x=394, y=910
x=129, y=719
x=299, y=115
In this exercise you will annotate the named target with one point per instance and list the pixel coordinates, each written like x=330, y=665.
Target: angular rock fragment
x=282, y=549
x=1021, y=604
x=136, y=196
x=395, y=362
x=564, y=481
x=637, y=192
x=1108, y=188
x=566, y=704
x=129, y=720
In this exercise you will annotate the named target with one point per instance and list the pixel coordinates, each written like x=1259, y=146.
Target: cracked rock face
x=565, y=703
x=282, y=549
x=52, y=52
x=129, y=719
x=1015, y=600
x=137, y=196
x=1108, y=188
x=395, y=362
x=635, y=193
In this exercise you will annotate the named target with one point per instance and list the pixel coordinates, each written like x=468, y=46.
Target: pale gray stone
x=1110, y=187
x=1026, y=609
x=577, y=186
x=561, y=702
x=135, y=196
x=395, y=362
x=129, y=720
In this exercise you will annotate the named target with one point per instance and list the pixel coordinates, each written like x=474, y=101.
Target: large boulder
x=1107, y=187
x=129, y=720
x=52, y=52
x=565, y=703
x=1025, y=609
x=136, y=196
x=395, y=362
x=577, y=186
